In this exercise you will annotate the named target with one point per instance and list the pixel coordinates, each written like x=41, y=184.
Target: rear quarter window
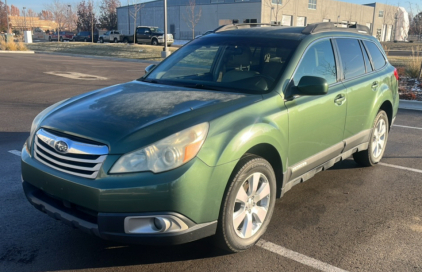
x=378, y=59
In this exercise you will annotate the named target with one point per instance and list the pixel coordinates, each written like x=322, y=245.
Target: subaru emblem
x=61, y=146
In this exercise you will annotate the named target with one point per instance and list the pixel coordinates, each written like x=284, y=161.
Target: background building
x=382, y=19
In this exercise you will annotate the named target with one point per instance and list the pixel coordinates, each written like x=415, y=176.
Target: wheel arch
x=387, y=106
x=270, y=154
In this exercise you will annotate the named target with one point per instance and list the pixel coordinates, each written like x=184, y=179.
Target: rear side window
x=351, y=58
x=378, y=59
x=318, y=61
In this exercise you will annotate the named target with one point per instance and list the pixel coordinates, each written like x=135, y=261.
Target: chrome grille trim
x=78, y=166
x=74, y=147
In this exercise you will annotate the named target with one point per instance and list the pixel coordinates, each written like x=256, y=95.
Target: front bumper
x=110, y=226
x=100, y=206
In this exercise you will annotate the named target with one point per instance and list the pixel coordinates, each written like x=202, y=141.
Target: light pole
x=68, y=18
x=165, y=52
x=24, y=16
x=7, y=18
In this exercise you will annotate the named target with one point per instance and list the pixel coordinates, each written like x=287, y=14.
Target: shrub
x=414, y=65
x=401, y=71
x=21, y=46
x=11, y=46
x=2, y=43
x=407, y=96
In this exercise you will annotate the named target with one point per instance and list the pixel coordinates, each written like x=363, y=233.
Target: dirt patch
x=121, y=50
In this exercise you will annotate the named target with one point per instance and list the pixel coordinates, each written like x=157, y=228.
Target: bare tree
x=192, y=16
x=415, y=20
x=31, y=15
x=134, y=14
x=58, y=10
x=275, y=6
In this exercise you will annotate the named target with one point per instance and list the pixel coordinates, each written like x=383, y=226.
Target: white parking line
x=400, y=167
x=300, y=258
x=406, y=127
x=15, y=152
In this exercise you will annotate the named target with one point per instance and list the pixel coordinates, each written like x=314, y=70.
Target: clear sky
x=38, y=5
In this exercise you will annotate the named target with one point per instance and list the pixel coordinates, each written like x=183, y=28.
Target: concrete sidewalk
x=410, y=105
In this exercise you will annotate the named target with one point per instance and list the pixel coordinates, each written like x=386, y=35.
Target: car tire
x=49, y=39
x=154, y=42
x=61, y=39
x=115, y=40
x=377, y=142
x=101, y=40
x=250, y=208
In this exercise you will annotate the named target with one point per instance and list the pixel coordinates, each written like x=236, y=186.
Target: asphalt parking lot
x=345, y=219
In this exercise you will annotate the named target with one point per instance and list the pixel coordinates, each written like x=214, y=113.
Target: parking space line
x=407, y=127
x=15, y=152
x=400, y=167
x=300, y=258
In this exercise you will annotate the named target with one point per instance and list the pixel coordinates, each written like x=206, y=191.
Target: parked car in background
x=149, y=35
x=85, y=36
x=111, y=36
x=63, y=36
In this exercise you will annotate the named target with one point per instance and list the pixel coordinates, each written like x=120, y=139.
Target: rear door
x=362, y=84
x=316, y=123
x=142, y=34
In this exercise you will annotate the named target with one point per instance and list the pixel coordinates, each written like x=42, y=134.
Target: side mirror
x=311, y=85
x=149, y=68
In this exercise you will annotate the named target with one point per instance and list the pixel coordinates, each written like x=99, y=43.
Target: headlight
x=166, y=154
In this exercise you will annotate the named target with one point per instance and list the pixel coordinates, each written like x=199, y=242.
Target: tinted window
x=377, y=58
x=140, y=30
x=351, y=58
x=318, y=61
x=366, y=58
x=226, y=63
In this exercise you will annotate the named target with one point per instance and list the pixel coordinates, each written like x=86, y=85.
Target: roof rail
x=330, y=26
x=240, y=26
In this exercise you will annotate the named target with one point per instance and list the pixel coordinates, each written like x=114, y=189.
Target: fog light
x=162, y=224
x=154, y=224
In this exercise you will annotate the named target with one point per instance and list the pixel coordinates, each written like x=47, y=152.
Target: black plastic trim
x=110, y=226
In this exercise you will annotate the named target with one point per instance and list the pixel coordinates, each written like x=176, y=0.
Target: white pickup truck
x=111, y=36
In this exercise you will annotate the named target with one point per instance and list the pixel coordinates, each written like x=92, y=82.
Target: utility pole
x=165, y=52
x=7, y=18
x=24, y=16
x=68, y=17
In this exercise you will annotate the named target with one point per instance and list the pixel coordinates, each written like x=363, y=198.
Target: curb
x=410, y=105
x=98, y=57
x=16, y=52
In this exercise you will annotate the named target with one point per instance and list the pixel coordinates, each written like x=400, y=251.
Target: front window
x=312, y=4
x=224, y=63
x=157, y=30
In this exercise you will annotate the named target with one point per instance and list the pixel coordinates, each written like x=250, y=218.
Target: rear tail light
x=396, y=74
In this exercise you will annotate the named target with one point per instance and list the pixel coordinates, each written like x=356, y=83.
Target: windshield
x=236, y=64
x=156, y=30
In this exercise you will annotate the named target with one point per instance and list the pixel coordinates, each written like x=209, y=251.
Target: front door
x=316, y=123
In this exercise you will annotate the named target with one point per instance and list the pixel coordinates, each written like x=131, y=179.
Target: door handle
x=374, y=85
x=339, y=100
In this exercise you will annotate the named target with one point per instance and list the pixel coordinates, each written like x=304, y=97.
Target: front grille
x=81, y=159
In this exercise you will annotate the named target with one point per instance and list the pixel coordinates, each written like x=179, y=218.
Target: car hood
x=114, y=114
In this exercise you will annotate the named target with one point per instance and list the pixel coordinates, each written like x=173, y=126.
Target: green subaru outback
x=205, y=142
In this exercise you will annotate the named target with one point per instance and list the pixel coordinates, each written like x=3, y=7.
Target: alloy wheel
x=379, y=137
x=251, y=205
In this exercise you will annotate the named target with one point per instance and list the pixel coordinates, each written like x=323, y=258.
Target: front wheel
x=377, y=142
x=247, y=206
x=115, y=40
x=154, y=42
x=101, y=40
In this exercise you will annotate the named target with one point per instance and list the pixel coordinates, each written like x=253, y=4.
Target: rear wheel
x=377, y=142
x=61, y=39
x=101, y=40
x=115, y=40
x=247, y=205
